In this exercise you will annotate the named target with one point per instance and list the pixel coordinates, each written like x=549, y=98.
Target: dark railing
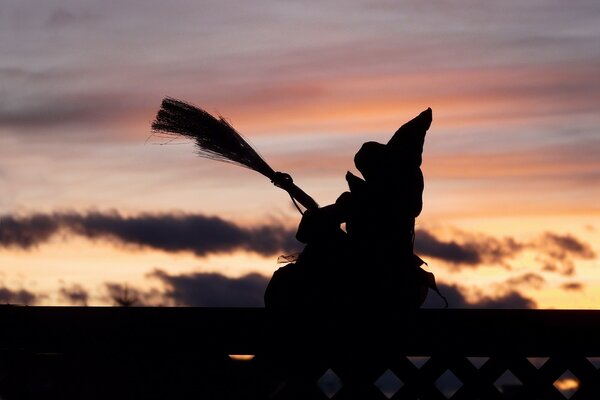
x=200, y=353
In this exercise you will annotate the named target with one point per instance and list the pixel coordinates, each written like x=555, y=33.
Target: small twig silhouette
x=126, y=298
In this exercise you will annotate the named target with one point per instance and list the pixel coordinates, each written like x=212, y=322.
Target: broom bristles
x=215, y=138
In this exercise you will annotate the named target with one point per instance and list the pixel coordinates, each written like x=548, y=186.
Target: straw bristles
x=215, y=138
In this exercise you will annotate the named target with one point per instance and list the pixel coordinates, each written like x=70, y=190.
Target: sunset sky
x=90, y=202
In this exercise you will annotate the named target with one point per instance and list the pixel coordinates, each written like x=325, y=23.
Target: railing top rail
x=253, y=330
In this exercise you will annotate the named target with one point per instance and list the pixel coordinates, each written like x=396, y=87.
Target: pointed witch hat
x=407, y=142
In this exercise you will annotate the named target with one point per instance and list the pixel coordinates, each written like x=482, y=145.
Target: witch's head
x=372, y=159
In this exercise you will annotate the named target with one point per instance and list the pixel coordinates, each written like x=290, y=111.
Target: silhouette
x=373, y=263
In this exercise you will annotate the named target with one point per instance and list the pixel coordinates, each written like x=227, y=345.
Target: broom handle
x=285, y=182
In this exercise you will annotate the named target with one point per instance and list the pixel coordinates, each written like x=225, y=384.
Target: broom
x=217, y=140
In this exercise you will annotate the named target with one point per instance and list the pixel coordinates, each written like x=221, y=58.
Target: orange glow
x=93, y=263
x=242, y=357
x=502, y=165
x=567, y=384
x=367, y=103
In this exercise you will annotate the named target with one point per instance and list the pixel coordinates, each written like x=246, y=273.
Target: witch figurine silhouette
x=369, y=264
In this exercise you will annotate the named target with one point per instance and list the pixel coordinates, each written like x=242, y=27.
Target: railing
x=196, y=353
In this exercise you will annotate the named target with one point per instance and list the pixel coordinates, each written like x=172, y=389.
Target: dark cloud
x=196, y=233
x=205, y=235
x=74, y=294
x=428, y=245
x=452, y=293
x=20, y=296
x=556, y=252
x=529, y=279
x=55, y=98
x=457, y=299
x=199, y=234
x=216, y=290
x=511, y=299
x=213, y=290
x=195, y=289
x=53, y=110
x=562, y=245
x=124, y=295
x=572, y=286
x=472, y=250
x=26, y=232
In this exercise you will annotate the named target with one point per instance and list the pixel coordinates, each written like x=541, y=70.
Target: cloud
x=20, y=296
x=529, y=279
x=472, y=250
x=216, y=290
x=350, y=53
x=194, y=289
x=555, y=251
x=125, y=295
x=202, y=289
x=26, y=232
x=196, y=233
x=57, y=106
x=450, y=251
x=74, y=294
x=204, y=235
x=572, y=286
x=213, y=289
x=456, y=296
x=511, y=299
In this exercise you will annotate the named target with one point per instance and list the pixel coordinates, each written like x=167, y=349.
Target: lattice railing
x=182, y=353
x=483, y=378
